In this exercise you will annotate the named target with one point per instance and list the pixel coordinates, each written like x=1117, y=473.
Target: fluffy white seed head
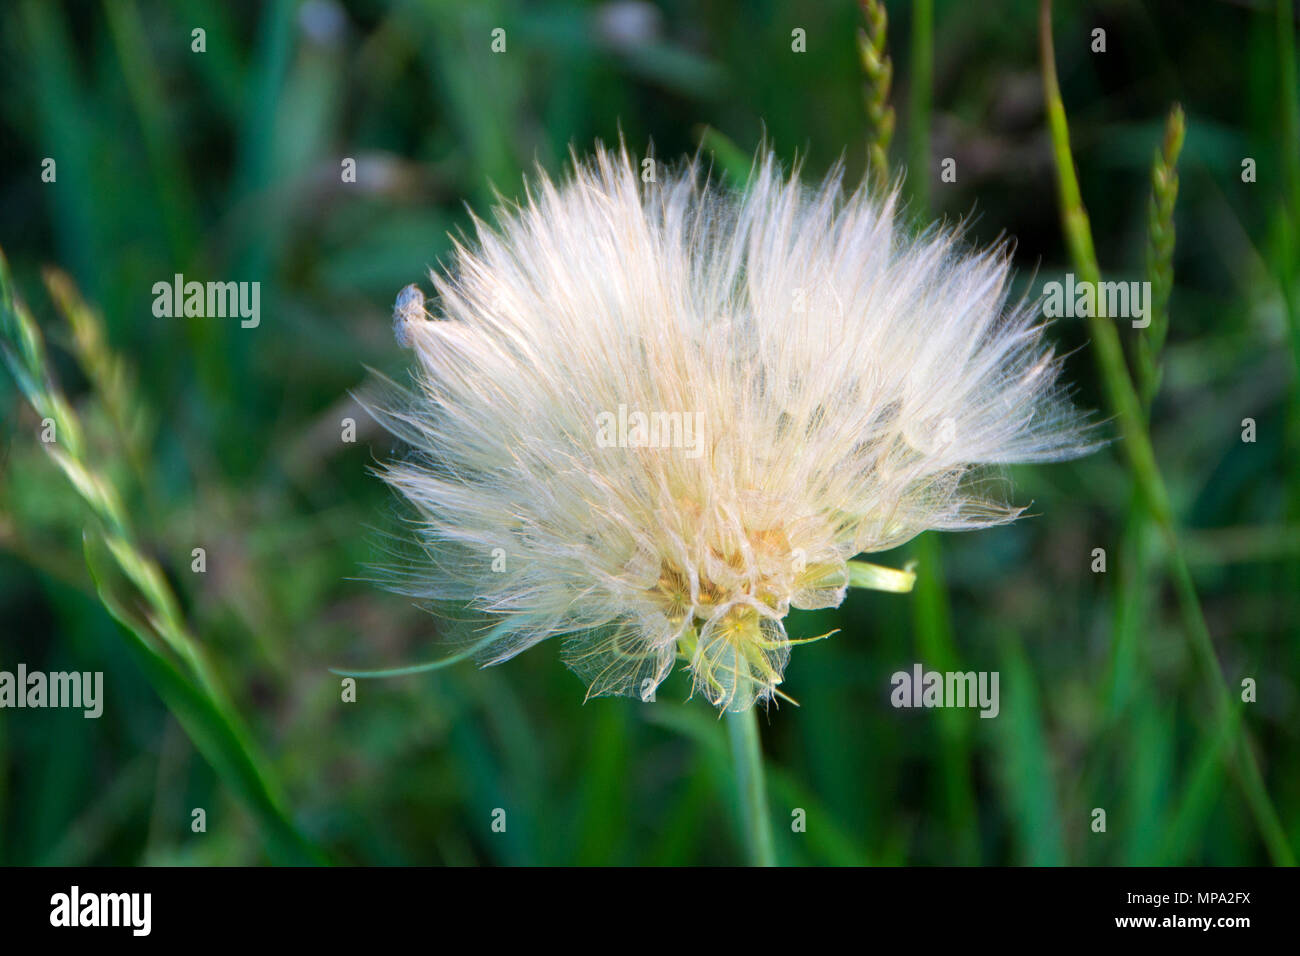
x=653, y=417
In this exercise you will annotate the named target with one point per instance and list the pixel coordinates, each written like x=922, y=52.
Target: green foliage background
x=225, y=165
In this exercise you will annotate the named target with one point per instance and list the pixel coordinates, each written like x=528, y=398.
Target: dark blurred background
x=225, y=165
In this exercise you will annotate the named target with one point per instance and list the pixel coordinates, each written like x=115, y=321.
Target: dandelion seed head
x=828, y=382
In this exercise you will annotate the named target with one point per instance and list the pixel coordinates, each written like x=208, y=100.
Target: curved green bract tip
x=864, y=574
x=428, y=665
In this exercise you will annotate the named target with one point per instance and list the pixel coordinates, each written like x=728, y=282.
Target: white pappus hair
x=653, y=417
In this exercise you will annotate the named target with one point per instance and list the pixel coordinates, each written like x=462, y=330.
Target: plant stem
x=879, y=72
x=1137, y=445
x=135, y=592
x=750, y=786
x=920, y=105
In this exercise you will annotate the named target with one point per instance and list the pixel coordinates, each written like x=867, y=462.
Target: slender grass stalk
x=106, y=371
x=1160, y=255
x=1130, y=585
x=61, y=110
x=134, y=590
x=1127, y=406
x=879, y=72
x=751, y=787
x=920, y=103
x=146, y=88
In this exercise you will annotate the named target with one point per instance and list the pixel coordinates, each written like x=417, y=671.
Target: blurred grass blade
x=168, y=654
x=176, y=202
x=213, y=733
x=1027, y=762
x=936, y=647
x=734, y=162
